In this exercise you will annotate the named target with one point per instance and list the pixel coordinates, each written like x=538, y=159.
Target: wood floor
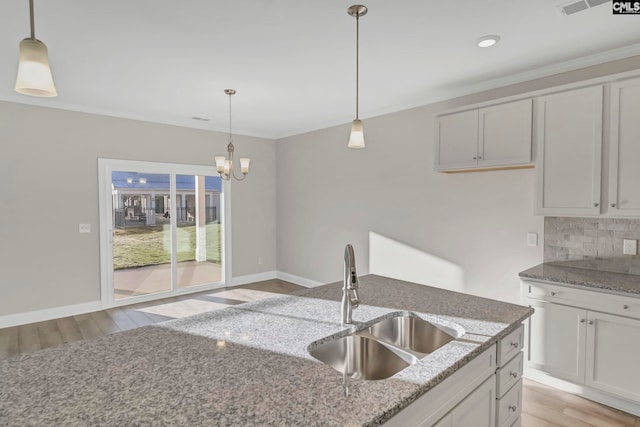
x=542, y=406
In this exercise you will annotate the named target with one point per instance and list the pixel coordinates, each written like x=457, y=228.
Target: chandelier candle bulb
x=244, y=165
x=220, y=160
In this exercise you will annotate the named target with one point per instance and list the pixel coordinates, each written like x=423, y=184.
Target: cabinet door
x=479, y=408
x=613, y=348
x=505, y=134
x=569, y=152
x=556, y=344
x=457, y=140
x=624, y=173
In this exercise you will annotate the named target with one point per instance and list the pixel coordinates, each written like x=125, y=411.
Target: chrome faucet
x=350, y=298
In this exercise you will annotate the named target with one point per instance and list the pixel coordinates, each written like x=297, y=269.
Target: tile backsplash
x=593, y=243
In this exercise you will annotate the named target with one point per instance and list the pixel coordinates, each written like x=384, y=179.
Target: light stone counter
x=595, y=280
x=244, y=366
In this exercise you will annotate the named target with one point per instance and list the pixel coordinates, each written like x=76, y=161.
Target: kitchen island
x=246, y=365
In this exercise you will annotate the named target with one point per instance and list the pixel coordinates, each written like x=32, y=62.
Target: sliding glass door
x=162, y=230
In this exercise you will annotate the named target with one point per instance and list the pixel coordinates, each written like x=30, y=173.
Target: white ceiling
x=293, y=61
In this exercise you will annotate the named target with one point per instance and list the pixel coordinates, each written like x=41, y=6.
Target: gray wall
x=476, y=223
x=49, y=184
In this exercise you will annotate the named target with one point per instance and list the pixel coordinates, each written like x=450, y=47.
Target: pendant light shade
x=356, y=138
x=34, y=73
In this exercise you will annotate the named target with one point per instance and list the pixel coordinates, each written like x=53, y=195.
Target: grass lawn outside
x=142, y=246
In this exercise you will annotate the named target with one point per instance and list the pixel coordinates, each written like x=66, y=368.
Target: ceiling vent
x=580, y=5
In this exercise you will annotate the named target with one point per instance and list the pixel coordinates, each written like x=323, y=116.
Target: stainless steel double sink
x=382, y=349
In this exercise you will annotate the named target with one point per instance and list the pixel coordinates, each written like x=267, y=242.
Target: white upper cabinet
x=505, y=134
x=491, y=137
x=624, y=169
x=569, y=152
x=457, y=140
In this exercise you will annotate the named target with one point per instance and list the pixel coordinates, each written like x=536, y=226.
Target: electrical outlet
x=532, y=239
x=630, y=247
x=84, y=228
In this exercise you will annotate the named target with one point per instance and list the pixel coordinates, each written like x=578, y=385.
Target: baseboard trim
x=25, y=318
x=583, y=390
x=250, y=278
x=302, y=281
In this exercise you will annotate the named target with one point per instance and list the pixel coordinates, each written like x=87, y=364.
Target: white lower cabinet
x=486, y=392
x=613, y=353
x=476, y=410
x=582, y=344
x=557, y=336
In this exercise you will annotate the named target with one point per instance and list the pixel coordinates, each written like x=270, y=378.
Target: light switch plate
x=532, y=239
x=630, y=247
x=84, y=228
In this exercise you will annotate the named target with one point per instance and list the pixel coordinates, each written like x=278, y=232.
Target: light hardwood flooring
x=542, y=406
x=36, y=336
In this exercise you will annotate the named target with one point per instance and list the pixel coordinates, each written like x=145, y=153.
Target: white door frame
x=105, y=169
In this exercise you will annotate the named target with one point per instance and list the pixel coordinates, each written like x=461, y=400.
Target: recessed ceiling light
x=487, y=41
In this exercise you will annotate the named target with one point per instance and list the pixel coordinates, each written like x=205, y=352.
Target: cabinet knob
x=475, y=158
x=514, y=344
x=479, y=157
x=596, y=204
x=591, y=322
x=582, y=320
x=613, y=205
x=553, y=294
x=513, y=408
x=626, y=307
x=513, y=374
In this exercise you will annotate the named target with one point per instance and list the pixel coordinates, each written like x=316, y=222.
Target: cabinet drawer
x=509, y=407
x=545, y=291
x=509, y=375
x=591, y=300
x=510, y=345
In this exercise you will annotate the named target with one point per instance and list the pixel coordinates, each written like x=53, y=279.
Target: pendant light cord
x=357, y=63
x=33, y=31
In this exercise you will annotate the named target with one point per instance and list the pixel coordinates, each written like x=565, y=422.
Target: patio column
x=151, y=210
x=201, y=220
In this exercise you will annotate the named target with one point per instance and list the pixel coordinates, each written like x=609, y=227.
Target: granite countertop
x=596, y=280
x=245, y=365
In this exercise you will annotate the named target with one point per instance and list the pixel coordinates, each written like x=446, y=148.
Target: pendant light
x=34, y=73
x=224, y=165
x=356, y=138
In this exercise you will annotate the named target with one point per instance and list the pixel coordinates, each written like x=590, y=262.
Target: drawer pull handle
x=513, y=408
x=591, y=322
x=583, y=320
x=626, y=307
x=514, y=344
x=513, y=374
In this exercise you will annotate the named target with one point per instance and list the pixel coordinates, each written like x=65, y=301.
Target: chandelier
x=224, y=165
